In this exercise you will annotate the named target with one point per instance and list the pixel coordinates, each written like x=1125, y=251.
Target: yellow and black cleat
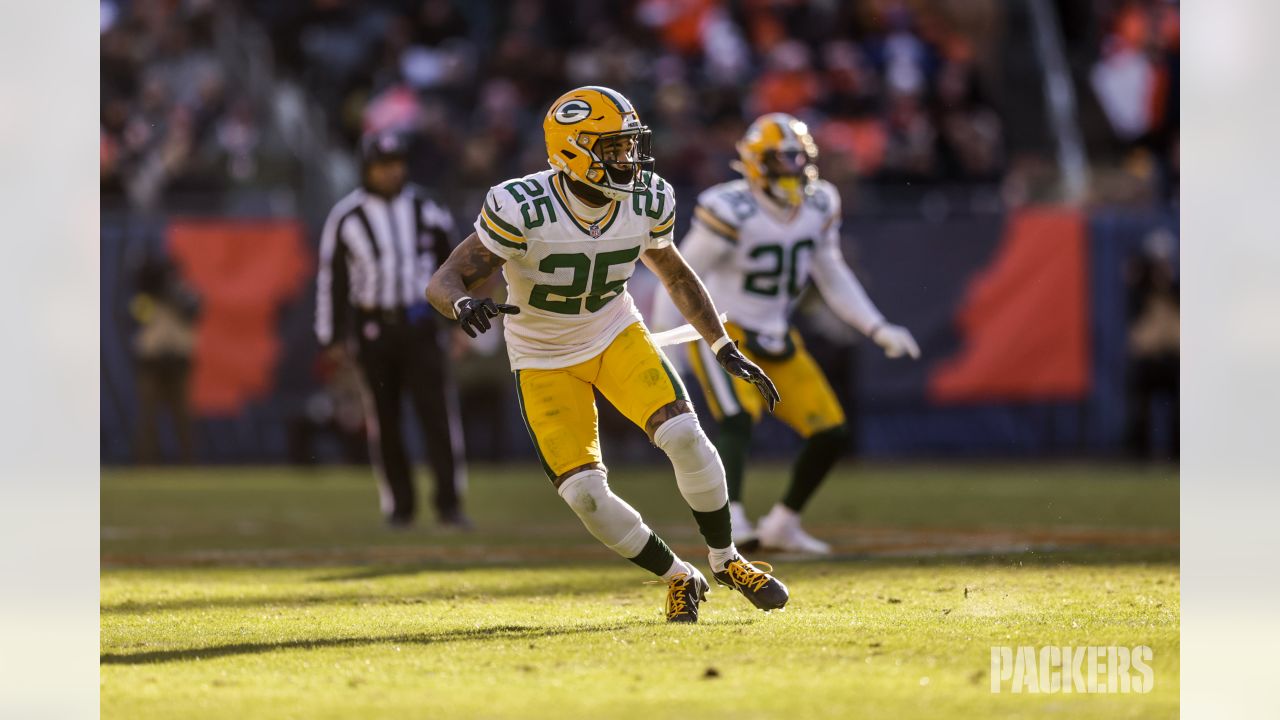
x=755, y=583
x=685, y=593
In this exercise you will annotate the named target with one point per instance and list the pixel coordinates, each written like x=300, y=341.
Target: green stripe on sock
x=819, y=454
x=656, y=557
x=715, y=526
x=733, y=441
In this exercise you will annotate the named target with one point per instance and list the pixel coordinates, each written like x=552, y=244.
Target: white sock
x=678, y=567
x=720, y=557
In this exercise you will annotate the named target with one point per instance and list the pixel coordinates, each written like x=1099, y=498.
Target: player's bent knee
x=683, y=440
x=699, y=472
x=677, y=430
x=606, y=516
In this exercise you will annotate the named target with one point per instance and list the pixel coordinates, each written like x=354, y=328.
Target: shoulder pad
x=723, y=208
x=501, y=220
x=658, y=202
x=825, y=198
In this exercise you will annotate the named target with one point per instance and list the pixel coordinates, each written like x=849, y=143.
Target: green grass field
x=250, y=593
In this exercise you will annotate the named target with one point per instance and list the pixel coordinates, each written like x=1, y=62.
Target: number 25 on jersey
x=602, y=290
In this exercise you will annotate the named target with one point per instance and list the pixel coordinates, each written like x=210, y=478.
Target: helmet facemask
x=779, y=158
x=786, y=174
x=619, y=161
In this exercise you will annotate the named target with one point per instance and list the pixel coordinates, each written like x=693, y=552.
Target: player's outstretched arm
x=687, y=291
x=846, y=297
x=694, y=302
x=702, y=251
x=469, y=265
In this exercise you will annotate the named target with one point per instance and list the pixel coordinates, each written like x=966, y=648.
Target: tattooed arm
x=693, y=301
x=469, y=265
x=687, y=291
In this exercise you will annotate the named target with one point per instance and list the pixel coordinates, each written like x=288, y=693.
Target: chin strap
x=586, y=192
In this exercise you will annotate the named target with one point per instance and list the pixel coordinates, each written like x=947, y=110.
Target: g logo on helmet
x=572, y=111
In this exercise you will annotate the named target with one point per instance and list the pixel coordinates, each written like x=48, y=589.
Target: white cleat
x=743, y=531
x=780, y=530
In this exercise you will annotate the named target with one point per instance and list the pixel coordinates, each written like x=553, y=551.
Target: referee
x=379, y=247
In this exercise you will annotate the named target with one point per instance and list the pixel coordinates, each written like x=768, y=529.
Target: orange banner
x=243, y=272
x=1024, y=321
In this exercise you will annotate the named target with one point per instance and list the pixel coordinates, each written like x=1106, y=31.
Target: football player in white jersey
x=756, y=242
x=567, y=240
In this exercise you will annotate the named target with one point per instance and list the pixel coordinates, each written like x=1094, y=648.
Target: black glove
x=473, y=315
x=737, y=365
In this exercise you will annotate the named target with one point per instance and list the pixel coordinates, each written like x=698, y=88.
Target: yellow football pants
x=559, y=407
x=808, y=406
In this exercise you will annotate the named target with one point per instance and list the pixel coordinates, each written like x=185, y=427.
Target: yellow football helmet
x=779, y=156
x=595, y=137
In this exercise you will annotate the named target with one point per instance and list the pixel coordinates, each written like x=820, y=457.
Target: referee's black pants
x=395, y=354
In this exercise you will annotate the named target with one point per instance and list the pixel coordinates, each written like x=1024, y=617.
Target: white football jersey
x=767, y=263
x=567, y=274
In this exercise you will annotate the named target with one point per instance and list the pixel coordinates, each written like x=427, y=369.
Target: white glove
x=896, y=341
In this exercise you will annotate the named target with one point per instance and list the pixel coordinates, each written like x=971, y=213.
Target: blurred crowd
x=180, y=125
x=896, y=90
x=239, y=107
x=1135, y=80
x=890, y=87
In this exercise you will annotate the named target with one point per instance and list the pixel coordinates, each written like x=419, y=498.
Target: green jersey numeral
x=767, y=281
x=538, y=202
x=602, y=289
x=602, y=292
x=572, y=302
x=651, y=202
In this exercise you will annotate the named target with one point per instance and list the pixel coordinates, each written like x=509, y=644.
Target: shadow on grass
x=560, y=588
x=553, y=587
x=481, y=634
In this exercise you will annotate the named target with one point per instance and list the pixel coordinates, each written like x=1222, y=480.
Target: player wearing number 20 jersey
x=567, y=240
x=757, y=242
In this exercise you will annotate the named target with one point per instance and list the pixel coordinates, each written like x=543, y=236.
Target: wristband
x=880, y=324
x=715, y=346
x=458, y=302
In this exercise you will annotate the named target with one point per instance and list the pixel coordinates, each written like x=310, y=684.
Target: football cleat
x=755, y=583
x=782, y=531
x=744, y=535
x=685, y=592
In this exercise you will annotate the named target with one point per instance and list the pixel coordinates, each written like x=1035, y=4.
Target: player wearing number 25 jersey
x=567, y=240
x=757, y=242
x=570, y=269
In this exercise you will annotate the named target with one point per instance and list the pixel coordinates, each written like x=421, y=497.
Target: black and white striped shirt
x=377, y=253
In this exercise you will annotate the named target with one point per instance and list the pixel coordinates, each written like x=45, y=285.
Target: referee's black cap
x=383, y=146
